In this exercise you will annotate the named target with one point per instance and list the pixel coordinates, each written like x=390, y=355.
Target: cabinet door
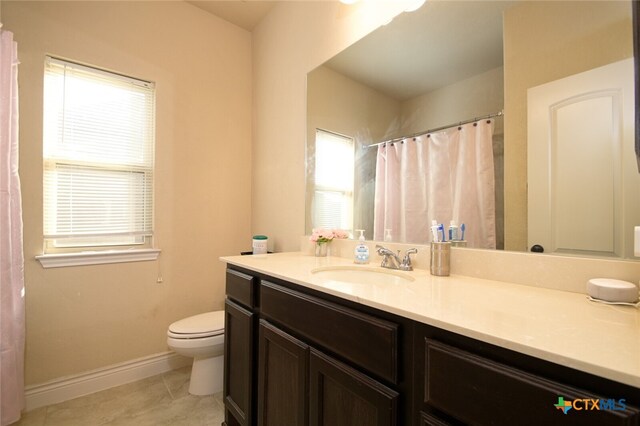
x=342, y=396
x=238, y=363
x=282, y=378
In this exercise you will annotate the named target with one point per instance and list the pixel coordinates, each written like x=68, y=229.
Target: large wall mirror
x=554, y=82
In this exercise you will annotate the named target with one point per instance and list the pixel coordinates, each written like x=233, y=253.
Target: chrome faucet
x=391, y=260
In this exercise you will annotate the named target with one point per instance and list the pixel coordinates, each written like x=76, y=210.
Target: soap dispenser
x=362, y=251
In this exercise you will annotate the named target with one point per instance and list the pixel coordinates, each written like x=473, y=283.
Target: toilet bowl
x=202, y=338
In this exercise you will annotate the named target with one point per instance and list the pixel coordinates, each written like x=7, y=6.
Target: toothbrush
x=441, y=230
x=462, y=228
x=434, y=231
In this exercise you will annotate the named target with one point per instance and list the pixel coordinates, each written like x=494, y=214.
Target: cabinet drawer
x=241, y=288
x=480, y=391
x=361, y=339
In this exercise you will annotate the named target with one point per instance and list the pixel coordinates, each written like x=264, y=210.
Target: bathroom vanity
x=307, y=348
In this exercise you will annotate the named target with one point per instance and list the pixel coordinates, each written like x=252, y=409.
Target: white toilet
x=202, y=338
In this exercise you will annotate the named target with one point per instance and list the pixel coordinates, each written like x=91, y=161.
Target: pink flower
x=340, y=233
x=326, y=235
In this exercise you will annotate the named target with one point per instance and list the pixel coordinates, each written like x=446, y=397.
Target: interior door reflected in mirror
x=581, y=163
x=452, y=62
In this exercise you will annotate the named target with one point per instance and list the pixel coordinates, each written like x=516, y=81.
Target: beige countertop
x=557, y=326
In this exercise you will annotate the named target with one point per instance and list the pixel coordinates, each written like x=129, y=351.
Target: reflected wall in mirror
x=456, y=60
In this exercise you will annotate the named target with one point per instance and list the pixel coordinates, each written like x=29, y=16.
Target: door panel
x=581, y=163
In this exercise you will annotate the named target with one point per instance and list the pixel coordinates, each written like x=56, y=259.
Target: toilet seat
x=198, y=326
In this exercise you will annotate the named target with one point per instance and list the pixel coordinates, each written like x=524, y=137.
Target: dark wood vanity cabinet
x=238, y=389
x=294, y=356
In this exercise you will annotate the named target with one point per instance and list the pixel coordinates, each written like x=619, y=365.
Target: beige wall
x=346, y=106
x=476, y=96
x=537, y=50
x=294, y=38
x=82, y=318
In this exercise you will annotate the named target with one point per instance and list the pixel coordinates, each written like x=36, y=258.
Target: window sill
x=62, y=260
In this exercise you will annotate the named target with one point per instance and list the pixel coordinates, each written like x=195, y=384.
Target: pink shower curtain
x=11, y=255
x=441, y=176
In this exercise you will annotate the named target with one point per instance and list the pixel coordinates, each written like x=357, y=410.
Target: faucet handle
x=406, y=261
x=382, y=251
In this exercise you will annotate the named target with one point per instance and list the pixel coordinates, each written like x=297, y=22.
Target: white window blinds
x=98, y=157
x=334, y=174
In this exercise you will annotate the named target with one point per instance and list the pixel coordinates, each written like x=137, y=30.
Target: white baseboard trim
x=70, y=387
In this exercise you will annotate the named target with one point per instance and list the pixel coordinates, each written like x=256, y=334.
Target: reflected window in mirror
x=333, y=181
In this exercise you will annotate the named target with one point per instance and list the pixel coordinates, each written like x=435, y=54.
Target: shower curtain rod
x=460, y=123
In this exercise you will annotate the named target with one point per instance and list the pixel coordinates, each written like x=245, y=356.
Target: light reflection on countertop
x=553, y=325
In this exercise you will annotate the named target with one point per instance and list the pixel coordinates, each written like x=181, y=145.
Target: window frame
x=137, y=244
x=347, y=193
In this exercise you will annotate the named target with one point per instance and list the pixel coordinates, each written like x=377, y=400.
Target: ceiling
x=243, y=13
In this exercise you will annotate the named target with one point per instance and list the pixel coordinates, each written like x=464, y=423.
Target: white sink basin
x=364, y=275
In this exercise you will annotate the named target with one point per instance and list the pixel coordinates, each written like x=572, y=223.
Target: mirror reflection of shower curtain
x=442, y=176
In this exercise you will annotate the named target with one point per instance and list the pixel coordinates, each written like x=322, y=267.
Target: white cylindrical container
x=260, y=244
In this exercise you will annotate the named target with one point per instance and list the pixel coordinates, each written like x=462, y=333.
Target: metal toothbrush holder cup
x=440, y=258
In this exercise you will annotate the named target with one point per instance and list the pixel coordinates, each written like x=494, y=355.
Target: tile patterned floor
x=157, y=400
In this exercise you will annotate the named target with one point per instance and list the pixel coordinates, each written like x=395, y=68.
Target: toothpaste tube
x=434, y=231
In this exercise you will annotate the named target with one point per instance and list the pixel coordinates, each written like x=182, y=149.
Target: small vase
x=322, y=249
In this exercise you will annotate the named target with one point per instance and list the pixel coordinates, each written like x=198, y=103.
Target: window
x=333, y=193
x=98, y=153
